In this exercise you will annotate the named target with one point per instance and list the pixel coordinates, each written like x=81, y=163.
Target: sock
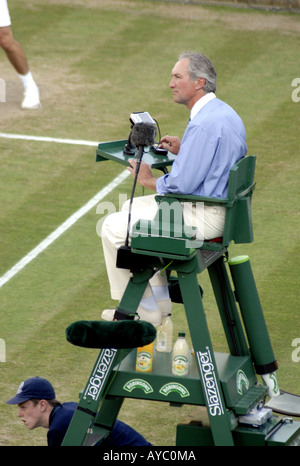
x=148, y=309
x=163, y=300
x=160, y=290
x=27, y=80
x=149, y=304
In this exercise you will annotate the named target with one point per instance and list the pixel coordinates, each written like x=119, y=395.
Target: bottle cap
x=181, y=334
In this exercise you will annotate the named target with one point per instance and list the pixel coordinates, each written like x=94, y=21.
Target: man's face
x=184, y=90
x=31, y=414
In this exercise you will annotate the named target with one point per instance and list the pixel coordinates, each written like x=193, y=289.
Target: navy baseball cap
x=35, y=387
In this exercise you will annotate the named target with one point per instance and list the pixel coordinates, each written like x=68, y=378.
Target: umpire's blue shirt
x=60, y=418
x=214, y=140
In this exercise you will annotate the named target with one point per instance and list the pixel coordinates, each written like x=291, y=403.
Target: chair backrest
x=241, y=177
x=238, y=221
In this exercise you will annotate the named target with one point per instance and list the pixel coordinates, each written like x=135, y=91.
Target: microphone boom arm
x=139, y=160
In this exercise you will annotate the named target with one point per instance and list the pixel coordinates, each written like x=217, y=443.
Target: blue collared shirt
x=214, y=140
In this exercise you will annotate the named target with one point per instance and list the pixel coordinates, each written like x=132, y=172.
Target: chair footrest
x=253, y=395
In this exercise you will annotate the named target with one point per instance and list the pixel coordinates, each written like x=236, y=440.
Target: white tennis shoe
x=31, y=99
x=153, y=317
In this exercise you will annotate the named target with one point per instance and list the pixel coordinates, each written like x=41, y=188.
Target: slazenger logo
x=100, y=373
x=210, y=383
x=174, y=387
x=241, y=381
x=138, y=383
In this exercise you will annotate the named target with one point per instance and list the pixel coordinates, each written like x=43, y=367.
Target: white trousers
x=210, y=222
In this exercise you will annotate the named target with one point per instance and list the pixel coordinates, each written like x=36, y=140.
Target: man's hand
x=145, y=176
x=171, y=143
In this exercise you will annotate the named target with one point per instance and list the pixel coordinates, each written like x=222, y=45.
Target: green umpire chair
x=226, y=384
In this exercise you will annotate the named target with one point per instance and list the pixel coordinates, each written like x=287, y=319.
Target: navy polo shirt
x=60, y=418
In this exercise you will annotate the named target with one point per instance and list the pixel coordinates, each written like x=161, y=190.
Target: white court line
x=47, y=139
x=62, y=228
x=70, y=221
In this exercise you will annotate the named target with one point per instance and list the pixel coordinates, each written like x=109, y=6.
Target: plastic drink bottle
x=180, y=356
x=144, y=358
x=164, y=338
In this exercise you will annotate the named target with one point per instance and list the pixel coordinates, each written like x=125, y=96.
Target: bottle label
x=144, y=361
x=180, y=365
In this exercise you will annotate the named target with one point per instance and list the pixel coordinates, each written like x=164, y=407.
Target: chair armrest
x=191, y=198
x=246, y=191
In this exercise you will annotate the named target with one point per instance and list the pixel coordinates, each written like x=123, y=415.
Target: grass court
x=95, y=63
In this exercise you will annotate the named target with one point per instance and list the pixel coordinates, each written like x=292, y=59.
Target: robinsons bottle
x=180, y=356
x=144, y=358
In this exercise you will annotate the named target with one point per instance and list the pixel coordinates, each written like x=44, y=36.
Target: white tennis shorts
x=4, y=14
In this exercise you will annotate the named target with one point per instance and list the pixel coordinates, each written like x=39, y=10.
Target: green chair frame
x=151, y=250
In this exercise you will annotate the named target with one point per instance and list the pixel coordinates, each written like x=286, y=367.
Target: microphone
x=143, y=134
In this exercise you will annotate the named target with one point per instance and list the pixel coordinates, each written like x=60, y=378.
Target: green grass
x=95, y=65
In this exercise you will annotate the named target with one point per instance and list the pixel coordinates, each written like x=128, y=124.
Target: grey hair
x=201, y=67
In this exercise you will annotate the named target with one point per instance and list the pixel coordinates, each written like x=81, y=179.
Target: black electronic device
x=159, y=150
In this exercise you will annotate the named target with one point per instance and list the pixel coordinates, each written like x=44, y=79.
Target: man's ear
x=43, y=405
x=200, y=83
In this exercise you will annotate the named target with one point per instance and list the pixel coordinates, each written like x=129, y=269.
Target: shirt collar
x=53, y=413
x=201, y=102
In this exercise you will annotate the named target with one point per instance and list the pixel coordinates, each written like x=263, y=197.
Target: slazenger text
x=210, y=384
x=100, y=373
